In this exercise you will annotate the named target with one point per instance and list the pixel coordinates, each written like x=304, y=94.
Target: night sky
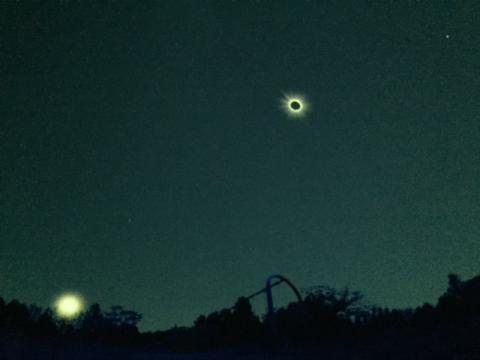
x=146, y=160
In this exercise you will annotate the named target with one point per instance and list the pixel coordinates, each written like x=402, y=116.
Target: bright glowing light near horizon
x=69, y=306
x=295, y=105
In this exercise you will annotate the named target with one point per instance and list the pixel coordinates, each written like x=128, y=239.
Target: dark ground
x=383, y=348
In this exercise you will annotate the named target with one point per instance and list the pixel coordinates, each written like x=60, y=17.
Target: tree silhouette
x=16, y=317
x=245, y=324
x=93, y=324
x=45, y=325
x=326, y=317
x=460, y=305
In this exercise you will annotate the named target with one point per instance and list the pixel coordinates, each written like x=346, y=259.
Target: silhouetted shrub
x=326, y=316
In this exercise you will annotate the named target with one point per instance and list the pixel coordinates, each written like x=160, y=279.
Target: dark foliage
x=116, y=326
x=326, y=317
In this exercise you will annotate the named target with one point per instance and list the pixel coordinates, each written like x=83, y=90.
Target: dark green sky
x=145, y=160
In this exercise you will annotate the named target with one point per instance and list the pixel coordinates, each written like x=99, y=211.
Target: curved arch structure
x=268, y=290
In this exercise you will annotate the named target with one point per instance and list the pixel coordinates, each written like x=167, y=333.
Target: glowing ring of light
x=288, y=105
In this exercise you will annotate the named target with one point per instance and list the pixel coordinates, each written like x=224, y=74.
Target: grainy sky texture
x=145, y=159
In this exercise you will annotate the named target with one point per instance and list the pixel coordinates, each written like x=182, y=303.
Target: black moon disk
x=295, y=105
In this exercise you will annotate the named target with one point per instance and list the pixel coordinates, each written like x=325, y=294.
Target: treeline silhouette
x=327, y=318
x=114, y=326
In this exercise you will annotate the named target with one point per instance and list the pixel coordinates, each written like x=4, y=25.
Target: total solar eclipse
x=294, y=105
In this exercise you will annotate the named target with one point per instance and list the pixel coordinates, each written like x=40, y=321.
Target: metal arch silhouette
x=268, y=290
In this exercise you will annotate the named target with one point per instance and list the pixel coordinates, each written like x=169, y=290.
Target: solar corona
x=295, y=105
